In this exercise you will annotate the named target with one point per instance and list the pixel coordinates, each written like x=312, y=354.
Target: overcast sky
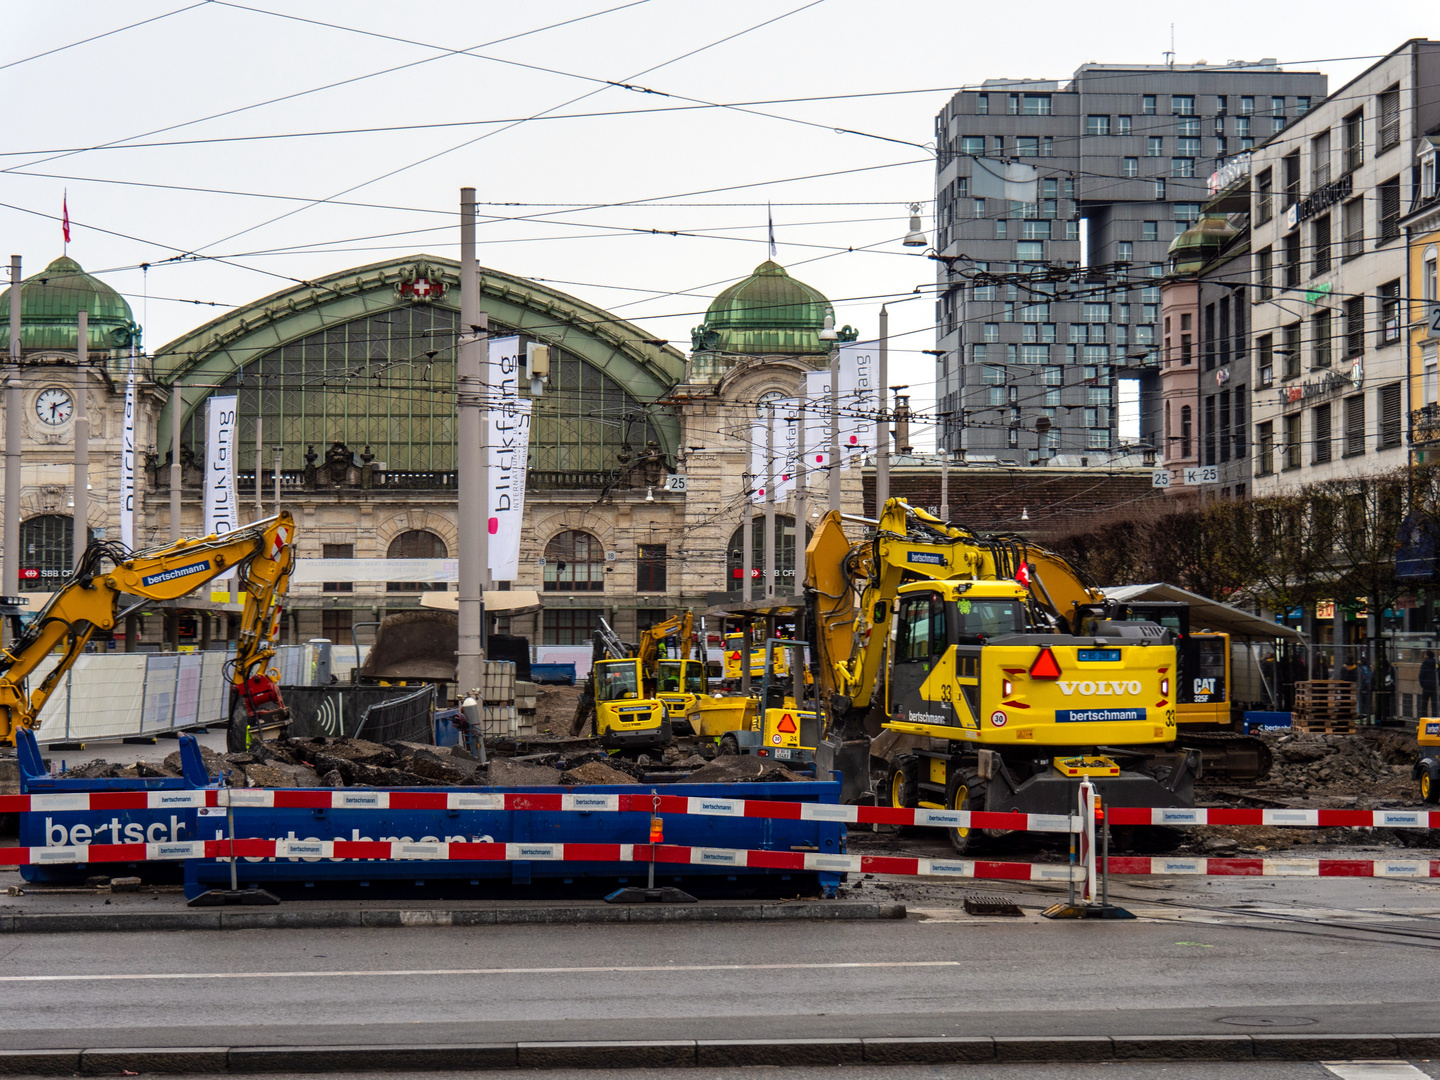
x=585, y=170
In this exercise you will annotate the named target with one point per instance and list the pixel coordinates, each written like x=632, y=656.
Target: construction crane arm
x=93, y=599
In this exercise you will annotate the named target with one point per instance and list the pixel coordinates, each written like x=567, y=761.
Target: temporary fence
x=407, y=718
x=121, y=695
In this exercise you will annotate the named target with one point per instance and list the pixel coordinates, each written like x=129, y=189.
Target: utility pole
x=944, y=467
x=801, y=501
x=769, y=590
x=472, y=478
x=835, y=430
x=12, y=440
x=747, y=541
x=177, y=406
x=279, y=452
x=882, y=427
x=81, y=497
x=259, y=468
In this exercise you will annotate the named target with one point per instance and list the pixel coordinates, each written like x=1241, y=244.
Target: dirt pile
x=555, y=708
x=595, y=772
x=742, y=770
x=1371, y=766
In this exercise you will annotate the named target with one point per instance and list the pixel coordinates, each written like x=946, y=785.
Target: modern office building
x=1029, y=369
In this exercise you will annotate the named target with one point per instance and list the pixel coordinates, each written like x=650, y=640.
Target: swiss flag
x=1022, y=575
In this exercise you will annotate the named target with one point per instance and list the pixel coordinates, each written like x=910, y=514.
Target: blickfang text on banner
x=127, y=458
x=220, y=461
x=508, y=438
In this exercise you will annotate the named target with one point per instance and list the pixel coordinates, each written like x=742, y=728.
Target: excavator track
x=1227, y=755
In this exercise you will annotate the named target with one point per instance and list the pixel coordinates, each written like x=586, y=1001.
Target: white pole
x=801, y=508
x=882, y=425
x=177, y=406
x=259, y=465
x=835, y=430
x=470, y=467
x=747, y=542
x=82, y=441
x=944, y=467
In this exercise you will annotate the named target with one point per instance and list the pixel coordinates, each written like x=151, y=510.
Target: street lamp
x=916, y=236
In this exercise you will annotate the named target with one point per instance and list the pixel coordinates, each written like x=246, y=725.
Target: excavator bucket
x=417, y=644
x=834, y=615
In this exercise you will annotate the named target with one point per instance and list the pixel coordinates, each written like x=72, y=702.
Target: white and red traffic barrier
x=1237, y=867
x=1182, y=817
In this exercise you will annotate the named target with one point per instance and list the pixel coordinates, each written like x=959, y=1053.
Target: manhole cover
x=1267, y=1021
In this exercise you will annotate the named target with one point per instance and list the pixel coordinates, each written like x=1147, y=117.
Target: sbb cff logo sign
x=30, y=574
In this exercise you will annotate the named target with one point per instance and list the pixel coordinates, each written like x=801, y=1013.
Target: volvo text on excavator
x=1005, y=667
x=96, y=599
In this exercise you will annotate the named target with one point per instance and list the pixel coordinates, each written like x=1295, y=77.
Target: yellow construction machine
x=1005, y=666
x=96, y=599
x=619, y=701
x=1427, y=761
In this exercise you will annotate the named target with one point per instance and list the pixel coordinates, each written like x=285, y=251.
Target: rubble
x=744, y=769
x=505, y=772
x=596, y=772
x=1368, y=767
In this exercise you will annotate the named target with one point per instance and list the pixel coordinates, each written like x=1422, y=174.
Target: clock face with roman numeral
x=766, y=398
x=54, y=406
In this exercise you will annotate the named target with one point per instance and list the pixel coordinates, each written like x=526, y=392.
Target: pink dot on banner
x=819, y=459
x=494, y=526
x=854, y=439
x=785, y=478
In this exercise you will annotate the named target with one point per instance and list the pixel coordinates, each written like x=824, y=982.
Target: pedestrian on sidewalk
x=1428, y=684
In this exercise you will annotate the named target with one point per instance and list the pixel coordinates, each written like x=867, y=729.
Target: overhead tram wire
x=105, y=34
x=500, y=131
x=343, y=82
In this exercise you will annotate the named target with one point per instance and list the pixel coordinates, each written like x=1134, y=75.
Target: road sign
x=1435, y=319
x=675, y=482
x=1160, y=478
x=1205, y=474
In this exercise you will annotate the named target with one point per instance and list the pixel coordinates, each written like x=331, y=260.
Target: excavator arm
x=93, y=599
x=648, y=649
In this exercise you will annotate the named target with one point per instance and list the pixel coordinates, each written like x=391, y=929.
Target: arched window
x=574, y=562
x=785, y=584
x=416, y=544
x=1184, y=431
x=47, y=551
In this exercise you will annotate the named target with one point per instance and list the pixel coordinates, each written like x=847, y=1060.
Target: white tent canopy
x=1205, y=614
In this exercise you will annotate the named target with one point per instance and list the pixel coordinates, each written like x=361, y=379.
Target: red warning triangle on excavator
x=1045, y=665
x=786, y=725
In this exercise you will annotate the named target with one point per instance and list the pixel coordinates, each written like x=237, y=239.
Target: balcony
x=1425, y=426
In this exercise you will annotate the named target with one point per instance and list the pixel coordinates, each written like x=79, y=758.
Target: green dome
x=767, y=312
x=1200, y=243
x=50, y=304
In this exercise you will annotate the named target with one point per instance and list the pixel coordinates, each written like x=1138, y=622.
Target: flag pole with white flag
x=221, y=460
x=507, y=417
x=127, y=458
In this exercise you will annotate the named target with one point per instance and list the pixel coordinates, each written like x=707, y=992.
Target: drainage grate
x=990, y=905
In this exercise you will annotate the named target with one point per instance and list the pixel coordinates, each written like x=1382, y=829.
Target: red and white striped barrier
x=410, y=851
x=1180, y=816
x=1400, y=868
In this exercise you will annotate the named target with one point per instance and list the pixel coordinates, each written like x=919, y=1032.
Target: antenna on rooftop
x=1170, y=56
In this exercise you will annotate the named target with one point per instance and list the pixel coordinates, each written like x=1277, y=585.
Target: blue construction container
x=555, y=674
x=1267, y=721
x=297, y=877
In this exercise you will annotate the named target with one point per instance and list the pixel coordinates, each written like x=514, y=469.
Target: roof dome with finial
x=1200, y=243
x=50, y=303
x=767, y=312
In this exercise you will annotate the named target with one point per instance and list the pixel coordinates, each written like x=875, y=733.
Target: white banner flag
x=221, y=460
x=508, y=435
x=817, y=419
x=787, y=437
x=859, y=401
x=127, y=457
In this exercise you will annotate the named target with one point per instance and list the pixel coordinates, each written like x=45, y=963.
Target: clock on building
x=54, y=406
x=766, y=398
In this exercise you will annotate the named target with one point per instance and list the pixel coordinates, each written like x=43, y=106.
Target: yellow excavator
x=618, y=701
x=96, y=599
x=1005, y=665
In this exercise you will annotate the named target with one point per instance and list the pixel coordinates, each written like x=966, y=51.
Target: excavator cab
x=781, y=726
x=627, y=714
x=681, y=684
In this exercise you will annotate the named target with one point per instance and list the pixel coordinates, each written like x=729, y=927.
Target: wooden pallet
x=1318, y=726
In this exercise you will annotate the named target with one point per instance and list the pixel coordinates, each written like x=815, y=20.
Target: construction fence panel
x=55, y=717
x=187, y=691
x=214, y=686
x=106, y=693
x=409, y=718
x=158, y=712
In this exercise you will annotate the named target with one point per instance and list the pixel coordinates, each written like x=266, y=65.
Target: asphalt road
x=1364, y=962
x=1288, y=1070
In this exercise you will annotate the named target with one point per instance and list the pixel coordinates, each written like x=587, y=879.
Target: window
x=1034, y=354
x=650, y=568
x=974, y=145
x=1072, y=229
x=1389, y=416
x=1354, y=224
x=1354, y=327
x=982, y=104
x=997, y=144
x=1220, y=127
x=1187, y=349
x=1292, y=259
x=1189, y=127
x=1320, y=160
x=1149, y=230
x=47, y=545
x=1155, y=146
x=1292, y=351
x=1130, y=166
x=1027, y=146
x=1182, y=167
x=1223, y=438
x=570, y=626
x=1030, y=251
x=1035, y=313
x=1277, y=107
x=1187, y=211
x=1302, y=105
x=1209, y=432
x=1247, y=106
x=1292, y=178
x=1390, y=312
x=1160, y=190
x=1355, y=425
x=1354, y=140
x=921, y=632
x=1387, y=134
x=1125, y=251
x=1096, y=313
x=1182, y=104
x=1148, y=105
x=1014, y=105
x=1265, y=359
x=1097, y=125
x=995, y=396
x=1036, y=104
x=1001, y=228
x=574, y=562
x=977, y=208
x=1264, y=196
x=1265, y=442
x=1185, y=431
x=1321, y=428
x=1035, y=230
x=1428, y=276
x=1054, y=376
x=1292, y=441
x=337, y=551
x=993, y=375
x=1320, y=345
x=1320, y=243
x=1124, y=124
x=1188, y=147
x=416, y=544
x=1389, y=209
x=1242, y=126
x=1430, y=387
x=1240, y=428
x=992, y=331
